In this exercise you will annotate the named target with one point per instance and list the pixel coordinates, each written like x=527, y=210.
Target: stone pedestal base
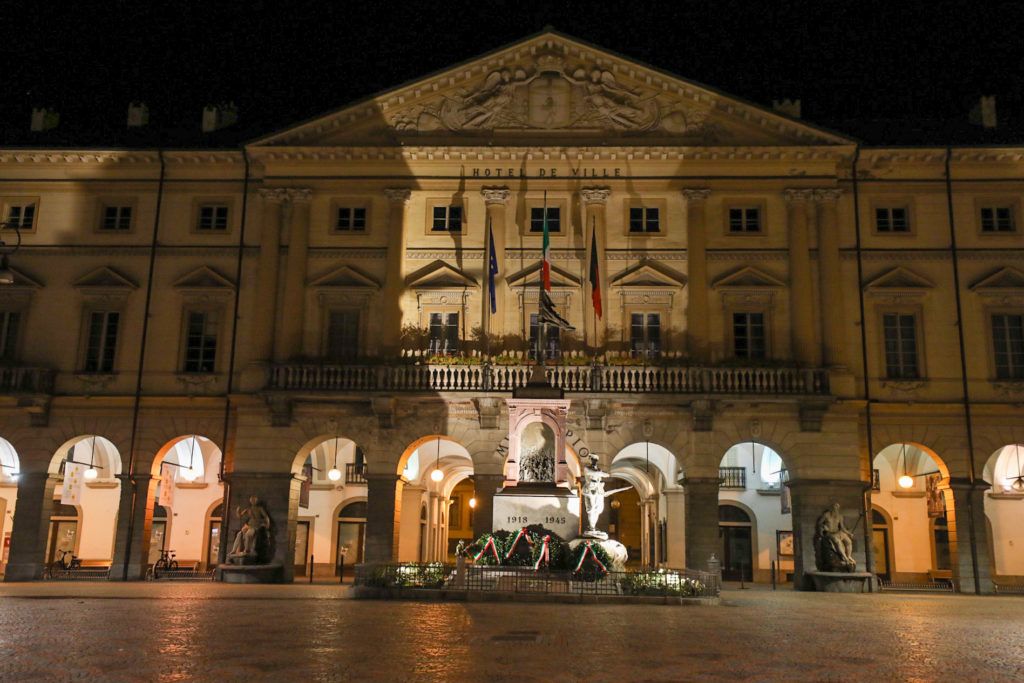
x=552, y=507
x=250, y=573
x=840, y=582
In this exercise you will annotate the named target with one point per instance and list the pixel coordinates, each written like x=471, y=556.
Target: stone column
x=431, y=526
x=810, y=499
x=134, y=508
x=382, y=517
x=289, y=339
x=390, y=332
x=963, y=524
x=701, y=515
x=675, y=530
x=265, y=304
x=495, y=199
x=279, y=493
x=595, y=201
x=697, y=313
x=31, y=529
x=485, y=486
x=833, y=338
x=803, y=322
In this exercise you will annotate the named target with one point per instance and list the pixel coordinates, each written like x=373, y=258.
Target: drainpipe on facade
x=225, y=506
x=963, y=377
x=868, y=526
x=142, y=360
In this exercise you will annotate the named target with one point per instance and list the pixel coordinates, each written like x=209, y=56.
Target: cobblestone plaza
x=151, y=632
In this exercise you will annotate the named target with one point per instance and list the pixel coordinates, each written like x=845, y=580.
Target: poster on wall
x=785, y=501
x=785, y=543
x=936, y=501
x=307, y=472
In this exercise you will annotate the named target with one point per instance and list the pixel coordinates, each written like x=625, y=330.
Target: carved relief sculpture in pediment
x=551, y=95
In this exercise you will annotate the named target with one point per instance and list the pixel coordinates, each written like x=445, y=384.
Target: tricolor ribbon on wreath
x=588, y=550
x=545, y=554
x=523, y=533
x=494, y=549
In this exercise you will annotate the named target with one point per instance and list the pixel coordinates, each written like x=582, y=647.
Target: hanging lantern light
x=190, y=473
x=92, y=472
x=905, y=481
x=437, y=474
x=334, y=474
x=472, y=502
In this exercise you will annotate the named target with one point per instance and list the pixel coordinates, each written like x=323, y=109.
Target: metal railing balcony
x=19, y=379
x=571, y=378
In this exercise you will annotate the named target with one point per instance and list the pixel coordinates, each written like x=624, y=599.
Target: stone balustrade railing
x=571, y=378
x=16, y=379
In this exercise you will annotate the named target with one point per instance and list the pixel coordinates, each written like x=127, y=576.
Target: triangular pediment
x=648, y=276
x=899, y=278
x=531, y=276
x=748, y=277
x=345, y=277
x=203, y=277
x=439, y=275
x=1003, y=281
x=21, y=281
x=104, y=278
x=551, y=89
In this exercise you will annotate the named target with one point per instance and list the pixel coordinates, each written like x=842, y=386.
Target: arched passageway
x=1004, y=507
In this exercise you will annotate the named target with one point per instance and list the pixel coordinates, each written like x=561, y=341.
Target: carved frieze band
x=398, y=195
x=798, y=196
x=696, y=194
x=496, y=195
x=273, y=195
x=298, y=195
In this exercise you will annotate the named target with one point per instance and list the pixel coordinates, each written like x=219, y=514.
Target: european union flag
x=492, y=267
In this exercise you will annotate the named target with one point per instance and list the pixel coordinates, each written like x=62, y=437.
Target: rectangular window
x=212, y=218
x=351, y=219
x=644, y=219
x=447, y=219
x=745, y=220
x=900, y=332
x=9, y=323
x=444, y=333
x=748, y=338
x=201, y=341
x=22, y=215
x=554, y=216
x=892, y=219
x=116, y=218
x=645, y=334
x=102, y=341
x=552, y=340
x=343, y=335
x=997, y=219
x=1008, y=339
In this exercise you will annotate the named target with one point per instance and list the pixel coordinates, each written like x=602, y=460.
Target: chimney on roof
x=138, y=115
x=44, y=119
x=984, y=112
x=790, y=108
x=219, y=116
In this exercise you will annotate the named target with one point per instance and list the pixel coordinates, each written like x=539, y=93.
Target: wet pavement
x=207, y=632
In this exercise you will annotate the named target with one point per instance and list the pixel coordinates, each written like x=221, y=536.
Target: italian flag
x=546, y=248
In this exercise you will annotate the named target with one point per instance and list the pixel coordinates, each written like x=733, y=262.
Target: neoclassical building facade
x=789, y=319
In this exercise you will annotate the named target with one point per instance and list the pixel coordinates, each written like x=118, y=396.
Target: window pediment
x=104, y=285
x=1005, y=285
x=345, y=277
x=648, y=276
x=204, y=284
x=440, y=275
x=899, y=283
x=22, y=282
x=530, y=277
x=748, y=278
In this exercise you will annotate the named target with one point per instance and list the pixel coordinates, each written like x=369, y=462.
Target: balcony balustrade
x=16, y=379
x=355, y=473
x=606, y=378
x=732, y=477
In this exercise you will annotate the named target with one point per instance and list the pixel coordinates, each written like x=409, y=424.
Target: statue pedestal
x=840, y=582
x=552, y=507
x=249, y=573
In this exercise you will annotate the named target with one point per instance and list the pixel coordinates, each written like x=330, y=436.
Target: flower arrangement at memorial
x=590, y=561
x=532, y=546
x=660, y=582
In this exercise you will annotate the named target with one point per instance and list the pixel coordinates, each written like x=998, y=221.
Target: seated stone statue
x=251, y=537
x=833, y=543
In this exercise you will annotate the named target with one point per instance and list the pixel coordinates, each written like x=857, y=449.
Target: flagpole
x=593, y=258
x=490, y=287
x=541, y=325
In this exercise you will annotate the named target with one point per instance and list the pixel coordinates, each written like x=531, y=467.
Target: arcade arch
x=1004, y=508
x=910, y=489
x=647, y=519
x=10, y=467
x=753, y=478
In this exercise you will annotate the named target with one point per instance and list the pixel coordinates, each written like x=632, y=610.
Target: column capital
x=798, y=195
x=272, y=195
x=495, y=195
x=300, y=195
x=827, y=195
x=696, y=194
x=398, y=195
x=595, y=195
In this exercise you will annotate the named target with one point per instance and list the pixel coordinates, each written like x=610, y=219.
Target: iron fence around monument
x=684, y=583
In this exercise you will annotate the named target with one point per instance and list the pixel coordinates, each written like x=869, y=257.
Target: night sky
x=285, y=62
